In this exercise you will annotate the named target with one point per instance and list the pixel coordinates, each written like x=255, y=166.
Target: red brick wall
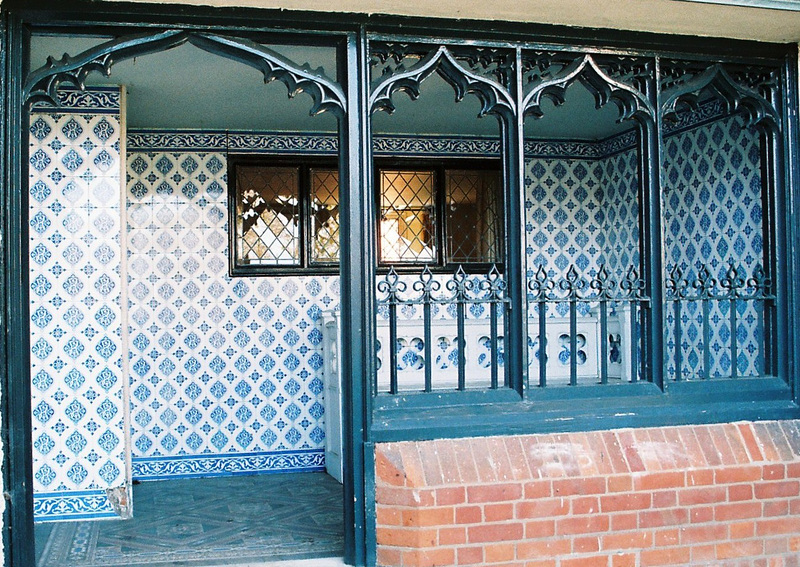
x=697, y=495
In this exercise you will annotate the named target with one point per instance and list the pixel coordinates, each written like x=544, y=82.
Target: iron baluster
x=572, y=284
x=733, y=283
x=459, y=285
x=541, y=286
x=392, y=286
x=633, y=286
x=705, y=285
x=759, y=283
x=426, y=285
x=495, y=285
x=604, y=285
x=676, y=287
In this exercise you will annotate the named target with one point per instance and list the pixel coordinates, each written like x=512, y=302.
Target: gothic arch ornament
x=632, y=103
x=494, y=97
x=687, y=88
x=42, y=84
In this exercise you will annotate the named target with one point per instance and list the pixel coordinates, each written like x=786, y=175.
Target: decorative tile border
x=195, y=466
x=322, y=143
x=70, y=506
x=231, y=141
x=319, y=143
x=444, y=146
x=98, y=100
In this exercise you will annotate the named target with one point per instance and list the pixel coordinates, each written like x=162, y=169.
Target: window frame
x=439, y=166
x=304, y=164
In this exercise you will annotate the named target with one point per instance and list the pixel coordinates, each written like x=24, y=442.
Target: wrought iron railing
x=601, y=293
x=704, y=300
x=463, y=294
x=596, y=317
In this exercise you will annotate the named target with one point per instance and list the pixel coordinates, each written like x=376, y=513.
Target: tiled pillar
x=77, y=298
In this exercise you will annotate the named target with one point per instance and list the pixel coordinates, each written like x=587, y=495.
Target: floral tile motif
x=712, y=217
x=78, y=358
x=219, y=366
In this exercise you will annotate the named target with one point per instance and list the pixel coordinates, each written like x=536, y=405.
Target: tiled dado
x=78, y=352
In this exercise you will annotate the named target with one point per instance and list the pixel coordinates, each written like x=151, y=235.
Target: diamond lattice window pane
x=408, y=223
x=473, y=216
x=324, y=215
x=267, y=215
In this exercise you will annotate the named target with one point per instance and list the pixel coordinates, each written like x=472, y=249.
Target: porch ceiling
x=187, y=88
x=659, y=16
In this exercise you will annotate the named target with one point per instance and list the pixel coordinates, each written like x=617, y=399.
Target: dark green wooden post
x=790, y=191
x=15, y=365
x=650, y=244
x=516, y=330
x=357, y=263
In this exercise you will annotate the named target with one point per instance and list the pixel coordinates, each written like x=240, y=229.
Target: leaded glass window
x=408, y=217
x=472, y=215
x=441, y=214
x=268, y=215
x=324, y=215
x=284, y=215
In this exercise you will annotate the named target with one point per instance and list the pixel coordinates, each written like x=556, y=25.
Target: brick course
x=723, y=495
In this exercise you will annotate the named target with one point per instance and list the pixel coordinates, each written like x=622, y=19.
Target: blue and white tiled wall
x=713, y=216
x=225, y=373
x=78, y=328
x=582, y=212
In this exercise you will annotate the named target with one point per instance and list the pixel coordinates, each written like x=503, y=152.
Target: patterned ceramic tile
x=582, y=213
x=713, y=216
x=222, y=368
x=77, y=321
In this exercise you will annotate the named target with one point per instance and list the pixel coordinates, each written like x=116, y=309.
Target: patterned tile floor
x=242, y=520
